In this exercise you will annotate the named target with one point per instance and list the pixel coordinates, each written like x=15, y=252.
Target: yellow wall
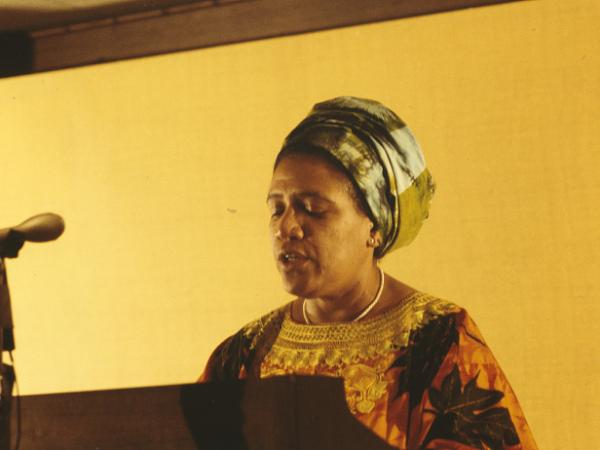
x=160, y=167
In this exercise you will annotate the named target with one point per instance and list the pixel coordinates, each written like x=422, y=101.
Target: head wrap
x=382, y=157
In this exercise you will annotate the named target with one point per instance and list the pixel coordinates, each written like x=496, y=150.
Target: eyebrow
x=302, y=194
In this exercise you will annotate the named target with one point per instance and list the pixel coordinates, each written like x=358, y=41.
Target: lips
x=292, y=258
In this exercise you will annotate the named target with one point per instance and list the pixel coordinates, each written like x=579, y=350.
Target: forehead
x=298, y=173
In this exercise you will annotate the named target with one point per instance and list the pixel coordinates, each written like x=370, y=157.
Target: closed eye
x=276, y=207
x=276, y=211
x=313, y=210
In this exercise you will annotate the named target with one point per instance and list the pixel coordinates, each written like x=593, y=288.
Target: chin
x=298, y=286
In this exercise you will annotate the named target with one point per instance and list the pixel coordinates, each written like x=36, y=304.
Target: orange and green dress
x=419, y=375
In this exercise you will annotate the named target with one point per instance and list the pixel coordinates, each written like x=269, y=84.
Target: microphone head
x=42, y=227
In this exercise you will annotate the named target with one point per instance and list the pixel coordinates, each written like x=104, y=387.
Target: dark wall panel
x=203, y=24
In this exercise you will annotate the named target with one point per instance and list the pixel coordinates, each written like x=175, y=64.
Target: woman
x=349, y=186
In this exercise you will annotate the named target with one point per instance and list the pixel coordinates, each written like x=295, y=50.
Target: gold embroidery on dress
x=359, y=352
x=300, y=346
x=364, y=386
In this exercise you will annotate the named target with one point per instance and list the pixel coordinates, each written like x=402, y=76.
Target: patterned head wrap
x=382, y=157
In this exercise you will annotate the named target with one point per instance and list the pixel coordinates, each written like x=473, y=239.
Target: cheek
x=340, y=247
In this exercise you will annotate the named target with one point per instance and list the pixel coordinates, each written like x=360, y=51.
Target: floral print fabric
x=419, y=375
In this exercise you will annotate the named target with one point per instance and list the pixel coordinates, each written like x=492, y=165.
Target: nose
x=288, y=227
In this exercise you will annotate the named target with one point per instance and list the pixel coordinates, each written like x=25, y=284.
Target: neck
x=349, y=304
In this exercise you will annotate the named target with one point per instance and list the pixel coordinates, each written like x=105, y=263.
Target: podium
x=279, y=413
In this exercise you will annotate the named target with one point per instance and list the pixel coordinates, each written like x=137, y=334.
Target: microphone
x=40, y=228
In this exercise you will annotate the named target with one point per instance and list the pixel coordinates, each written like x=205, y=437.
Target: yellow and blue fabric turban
x=381, y=155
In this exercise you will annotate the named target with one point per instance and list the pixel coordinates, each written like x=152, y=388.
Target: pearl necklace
x=366, y=311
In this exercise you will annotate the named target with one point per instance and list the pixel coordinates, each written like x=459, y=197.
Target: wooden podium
x=279, y=413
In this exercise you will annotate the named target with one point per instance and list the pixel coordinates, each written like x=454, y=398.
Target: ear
x=376, y=237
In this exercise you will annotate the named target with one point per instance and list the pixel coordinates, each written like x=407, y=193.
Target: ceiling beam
x=210, y=23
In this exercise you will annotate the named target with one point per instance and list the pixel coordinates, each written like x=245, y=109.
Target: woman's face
x=319, y=234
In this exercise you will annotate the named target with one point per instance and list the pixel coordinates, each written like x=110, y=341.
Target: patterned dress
x=419, y=375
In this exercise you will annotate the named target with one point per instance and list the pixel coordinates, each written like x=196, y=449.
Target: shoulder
x=419, y=321
x=422, y=310
x=235, y=355
x=253, y=331
x=443, y=330
x=430, y=321
x=430, y=313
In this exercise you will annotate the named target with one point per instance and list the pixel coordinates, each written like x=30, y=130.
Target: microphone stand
x=7, y=373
